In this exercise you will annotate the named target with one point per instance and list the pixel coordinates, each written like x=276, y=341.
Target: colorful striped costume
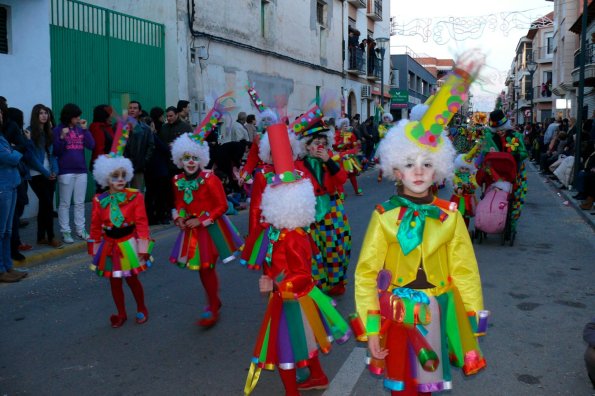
x=115, y=248
x=299, y=318
x=199, y=247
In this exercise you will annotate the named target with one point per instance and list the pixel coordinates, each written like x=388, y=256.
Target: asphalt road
x=56, y=340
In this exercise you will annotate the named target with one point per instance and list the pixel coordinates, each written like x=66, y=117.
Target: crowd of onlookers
x=47, y=154
x=552, y=147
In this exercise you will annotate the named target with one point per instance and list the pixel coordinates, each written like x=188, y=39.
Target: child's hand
x=265, y=284
x=192, y=223
x=180, y=223
x=374, y=347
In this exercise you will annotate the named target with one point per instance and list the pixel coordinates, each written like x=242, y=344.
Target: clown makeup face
x=464, y=169
x=417, y=176
x=117, y=180
x=190, y=163
x=317, y=144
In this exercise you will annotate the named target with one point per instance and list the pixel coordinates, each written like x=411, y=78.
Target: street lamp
x=517, y=92
x=382, y=43
x=532, y=67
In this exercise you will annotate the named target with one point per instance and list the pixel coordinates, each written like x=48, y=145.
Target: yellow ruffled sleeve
x=371, y=261
x=463, y=266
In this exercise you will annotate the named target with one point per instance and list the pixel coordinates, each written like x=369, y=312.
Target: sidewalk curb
x=38, y=258
x=567, y=196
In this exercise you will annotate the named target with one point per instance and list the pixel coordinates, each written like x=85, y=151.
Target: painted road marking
x=349, y=374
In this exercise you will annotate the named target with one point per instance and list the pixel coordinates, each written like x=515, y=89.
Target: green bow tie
x=411, y=229
x=274, y=234
x=188, y=186
x=114, y=201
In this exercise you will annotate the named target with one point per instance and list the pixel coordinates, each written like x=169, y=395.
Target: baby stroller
x=493, y=213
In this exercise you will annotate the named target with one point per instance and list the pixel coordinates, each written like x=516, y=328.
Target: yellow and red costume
x=119, y=234
x=435, y=293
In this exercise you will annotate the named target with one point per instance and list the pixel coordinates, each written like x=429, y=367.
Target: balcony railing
x=589, y=59
x=358, y=3
x=375, y=10
x=543, y=53
x=542, y=92
x=374, y=67
x=356, y=61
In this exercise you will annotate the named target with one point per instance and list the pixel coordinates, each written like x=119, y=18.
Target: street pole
x=581, y=93
x=382, y=50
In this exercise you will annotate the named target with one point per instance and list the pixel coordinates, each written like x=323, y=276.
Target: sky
x=494, y=27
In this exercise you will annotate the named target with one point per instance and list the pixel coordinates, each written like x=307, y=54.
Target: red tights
x=137, y=291
x=210, y=282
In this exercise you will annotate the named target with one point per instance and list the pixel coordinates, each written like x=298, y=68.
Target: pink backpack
x=490, y=215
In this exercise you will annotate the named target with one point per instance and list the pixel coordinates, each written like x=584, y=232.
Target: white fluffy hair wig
x=289, y=205
x=418, y=111
x=395, y=150
x=341, y=122
x=266, y=117
x=461, y=163
x=387, y=117
x=506, y=126
x=105, y=165
x=185, y=145
x=264, y=147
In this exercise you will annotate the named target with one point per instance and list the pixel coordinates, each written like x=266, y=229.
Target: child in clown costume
x=200, y=205
x=347, y=146
x=254, y=250
x=120, y=240
x=418, y=253
x=299, y=318
x=331, y=230
x=465, y=185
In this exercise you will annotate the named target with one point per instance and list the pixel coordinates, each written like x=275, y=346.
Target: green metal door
x=99, y=56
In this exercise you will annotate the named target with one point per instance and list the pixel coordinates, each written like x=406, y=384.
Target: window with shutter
x=3, y=30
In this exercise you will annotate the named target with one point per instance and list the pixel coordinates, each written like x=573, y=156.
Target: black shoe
x=579, y=196
x=23, y=223
x=17, y=256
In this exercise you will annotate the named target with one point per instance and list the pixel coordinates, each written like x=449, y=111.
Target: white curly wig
x=396, y=149
x=264, y=147
x=105, y=165
x=460, y=162
x=418, y=111
x=289, y=205
x=387, y=117
x=185, y=145
x=341, y=122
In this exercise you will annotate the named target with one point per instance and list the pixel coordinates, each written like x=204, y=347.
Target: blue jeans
x=8, y=200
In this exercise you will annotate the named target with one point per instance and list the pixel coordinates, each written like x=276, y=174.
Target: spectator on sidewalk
x=71, y=138
x=140, y=145
x=9, y=180
x=103, y=133
x=159, y=195
x=156, y=115
x=183, y=109
x=44, y=171
x=251, y=127
x=17, y=137
x=551, y=130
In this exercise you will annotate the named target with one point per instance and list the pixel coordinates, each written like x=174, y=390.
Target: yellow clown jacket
x=445, y=254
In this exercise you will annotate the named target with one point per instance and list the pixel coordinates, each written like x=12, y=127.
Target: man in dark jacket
x=140, y=145
x=172, y=129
